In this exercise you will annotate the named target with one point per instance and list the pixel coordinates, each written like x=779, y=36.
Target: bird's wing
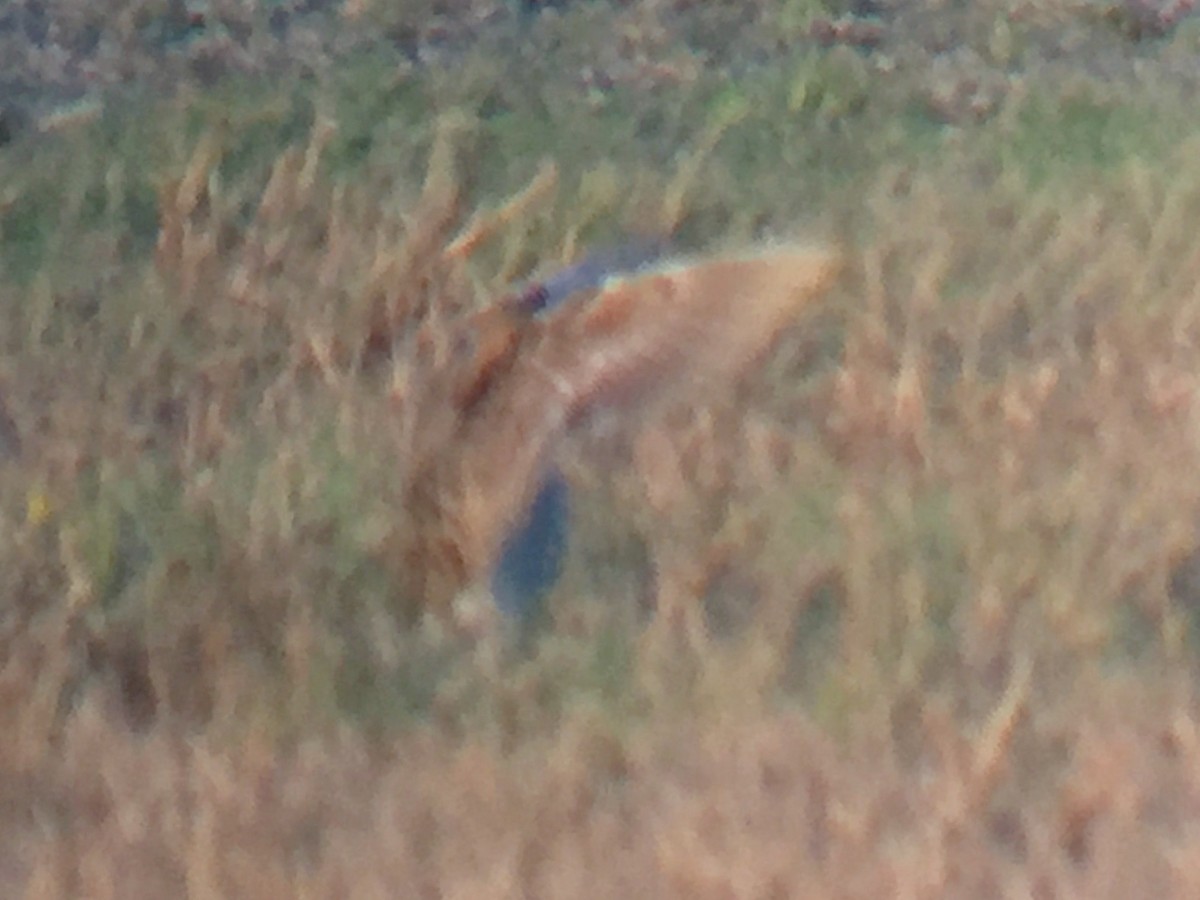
x=685, y=330
x=689, y=328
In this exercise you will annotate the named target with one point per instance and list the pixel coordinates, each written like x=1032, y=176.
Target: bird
x=532, y=554
x=623, y=330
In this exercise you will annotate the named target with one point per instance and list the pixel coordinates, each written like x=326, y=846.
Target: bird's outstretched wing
x=680, y=330
x=684, y=330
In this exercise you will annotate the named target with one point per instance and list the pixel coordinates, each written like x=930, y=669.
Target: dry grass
x=1087, y=792
x=995, y=494
x=905, y=608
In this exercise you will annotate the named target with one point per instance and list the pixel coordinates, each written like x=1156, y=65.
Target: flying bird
x=621, y=330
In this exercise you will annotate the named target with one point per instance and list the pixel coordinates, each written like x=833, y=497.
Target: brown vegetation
x=1004, y=498
x=932, y=557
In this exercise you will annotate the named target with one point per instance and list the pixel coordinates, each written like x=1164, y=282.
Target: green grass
x=1052, y=137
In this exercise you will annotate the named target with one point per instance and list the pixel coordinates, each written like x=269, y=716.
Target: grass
x=936, y=638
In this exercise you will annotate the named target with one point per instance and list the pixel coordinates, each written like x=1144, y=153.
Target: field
x=911, y=608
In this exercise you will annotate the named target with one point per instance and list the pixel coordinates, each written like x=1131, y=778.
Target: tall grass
x=906, y=610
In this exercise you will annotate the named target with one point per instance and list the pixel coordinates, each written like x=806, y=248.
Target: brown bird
x=488, y=503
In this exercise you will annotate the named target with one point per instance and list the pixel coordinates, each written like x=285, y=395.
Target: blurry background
x=930, y=567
